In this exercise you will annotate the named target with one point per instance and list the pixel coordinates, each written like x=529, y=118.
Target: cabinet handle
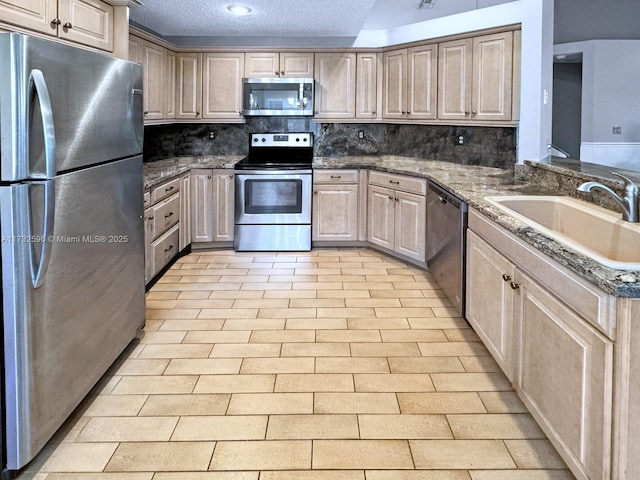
x=514, y=286
x=281, y=72
x=55, y=22
x=316, y=112
x=231, y=175
x=168, y=249
x=390, y=198
x=170, y=214
x=336, y=176
x=197, y=113
x=506, y=277
x=150, y=218
x=315, y=192
x=67, y=25
x=146, y=113
x=394, y=183
x=168, y=189
x=397, y=199
x=403, y=112
x=209, y=176
x=473, y=112
x=466, y=112
x=277, y=73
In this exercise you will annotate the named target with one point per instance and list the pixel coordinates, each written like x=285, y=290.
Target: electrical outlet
x=361, y=134
x=460, y=139
x=212, y=135
x=617, y=130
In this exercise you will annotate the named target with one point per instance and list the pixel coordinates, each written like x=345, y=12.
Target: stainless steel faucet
x=629, y=202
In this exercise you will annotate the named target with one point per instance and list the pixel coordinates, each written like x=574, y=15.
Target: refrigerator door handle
x=45, y=239
x=38, y=85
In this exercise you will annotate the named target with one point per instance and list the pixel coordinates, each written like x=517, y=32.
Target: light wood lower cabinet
x=397, y=216
x=161, y=226
x=527, y=310
x=335, y=206
x=212, y=203
x=185, y=210
x=490, y=300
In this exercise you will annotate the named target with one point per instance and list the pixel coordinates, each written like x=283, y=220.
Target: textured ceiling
x=289, y=18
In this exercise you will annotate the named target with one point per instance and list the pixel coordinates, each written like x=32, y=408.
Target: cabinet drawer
x=164, y=249
x=165, y=215
x=146, y=199
x=164, y=190
x=335, y=176
x=399, y=182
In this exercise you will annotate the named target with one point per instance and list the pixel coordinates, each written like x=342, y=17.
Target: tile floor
x=332, y=364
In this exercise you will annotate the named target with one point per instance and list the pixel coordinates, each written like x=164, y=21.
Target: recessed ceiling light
x=239, y=9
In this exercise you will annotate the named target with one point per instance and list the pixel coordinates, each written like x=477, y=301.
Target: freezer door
x=71, y=309
x=79, y=107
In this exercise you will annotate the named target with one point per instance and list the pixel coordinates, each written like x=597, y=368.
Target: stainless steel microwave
x=277, y=96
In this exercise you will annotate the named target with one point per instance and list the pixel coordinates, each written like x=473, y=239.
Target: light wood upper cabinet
x=422, y=78
x=153, y=81
x=188, y=85
x=366, y=85
x=410, y=79
x=475, y=78
x=394, y=86
x=222, y=85
x=135, y=49
x=273, y=64
x=89, y=22
x=169, y=84
x=335, y=85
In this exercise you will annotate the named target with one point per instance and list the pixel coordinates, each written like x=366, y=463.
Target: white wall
x=536, y=18
x=610, y=97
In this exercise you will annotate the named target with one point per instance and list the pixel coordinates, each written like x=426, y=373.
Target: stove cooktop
x=278, y=151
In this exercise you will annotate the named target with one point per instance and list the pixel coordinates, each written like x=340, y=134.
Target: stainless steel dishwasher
x=446, y=236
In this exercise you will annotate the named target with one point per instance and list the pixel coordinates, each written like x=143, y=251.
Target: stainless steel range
x=273, y=193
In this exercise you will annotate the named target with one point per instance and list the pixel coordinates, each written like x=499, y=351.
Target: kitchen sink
x=595, y=232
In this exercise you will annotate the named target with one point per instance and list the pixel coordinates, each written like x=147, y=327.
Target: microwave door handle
x=301, y=95
x=38, y=86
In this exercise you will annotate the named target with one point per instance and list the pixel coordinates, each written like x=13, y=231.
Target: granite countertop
x=157, y=172
x=471, y=183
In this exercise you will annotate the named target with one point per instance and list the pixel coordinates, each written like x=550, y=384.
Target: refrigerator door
x=79, y=107
x=70, y=312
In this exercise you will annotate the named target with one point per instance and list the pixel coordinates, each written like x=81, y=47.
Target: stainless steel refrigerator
x=71, y=131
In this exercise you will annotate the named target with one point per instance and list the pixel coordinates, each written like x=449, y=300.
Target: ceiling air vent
x=427, y=3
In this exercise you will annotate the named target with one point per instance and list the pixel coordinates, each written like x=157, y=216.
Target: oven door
x=275, y=197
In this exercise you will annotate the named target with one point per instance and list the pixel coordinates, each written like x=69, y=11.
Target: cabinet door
x=135, y=49
x=202, y=206
x=262, y=64
x=335, y=86
x=394, y=86
x=224, y=201
x=185, y=210
x=366, y=85
x=32, y=14
x=149, y=218
x=410, y=225
x=489, y=298
x=188, y=85
x=153, y=81
x=335, y=213
x=222, y=85
x=454, y=79
x=294, y=64
x=564, y=376
x=492, y=77
x=169, y=84
x=422, y=78
x=89, y=22
x=380, y=229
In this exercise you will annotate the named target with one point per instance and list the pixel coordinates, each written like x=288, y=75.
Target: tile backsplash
x=486, y=146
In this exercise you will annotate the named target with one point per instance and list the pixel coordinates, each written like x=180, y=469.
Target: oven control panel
x=281, y=140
